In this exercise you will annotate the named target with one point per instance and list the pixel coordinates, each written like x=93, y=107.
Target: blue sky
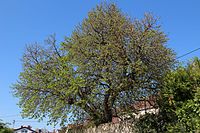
x=26, y=21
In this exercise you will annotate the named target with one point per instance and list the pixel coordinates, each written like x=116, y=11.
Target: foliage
x=184, y=88
x=4, y=128
x=107, y=64
x=179, y=102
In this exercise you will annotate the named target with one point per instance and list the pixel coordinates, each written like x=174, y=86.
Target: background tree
x=4, y=128
x=108, y=63
x=183, y=87
x=179, y=106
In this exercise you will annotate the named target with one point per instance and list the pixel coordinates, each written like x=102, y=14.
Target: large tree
x=109, y=62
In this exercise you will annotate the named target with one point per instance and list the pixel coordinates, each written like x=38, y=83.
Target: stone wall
x=122, y=127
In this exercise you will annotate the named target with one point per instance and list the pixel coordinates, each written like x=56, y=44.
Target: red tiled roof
x=149, y=103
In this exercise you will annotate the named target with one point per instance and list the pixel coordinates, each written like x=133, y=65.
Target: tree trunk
x=107, y=110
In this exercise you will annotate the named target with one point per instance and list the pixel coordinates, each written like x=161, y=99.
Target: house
x=24, y=129
x=140, y=108
x=28, y=129
x=146, y=106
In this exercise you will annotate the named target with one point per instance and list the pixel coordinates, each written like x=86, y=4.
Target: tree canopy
x=109, y=62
